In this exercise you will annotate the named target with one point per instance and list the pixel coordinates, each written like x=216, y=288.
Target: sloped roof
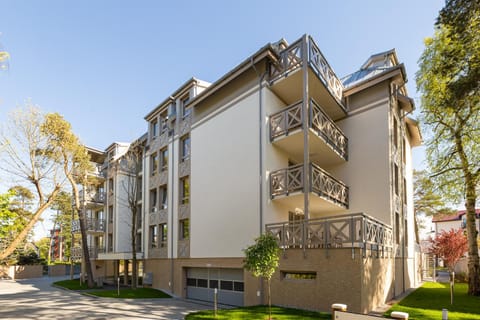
x=376, y=64
x=454, y=217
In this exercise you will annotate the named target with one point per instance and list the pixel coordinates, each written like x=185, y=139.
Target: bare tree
x=24, y=157
x=131, y=166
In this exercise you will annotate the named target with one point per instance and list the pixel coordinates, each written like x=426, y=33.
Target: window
x=397, y=228
x=153, y=200
x=397, y=181
x=164, y=159
x=185, y=148
x=184, y=229
x=154, y=163
x=186, y=110
x=110, y=242
x=185, y=190
x=395, y=132
x=154, y=128
x=110, y=185
x=163, y=197
x=163, y=235
x=405, y=231
x=163, y=121
x=226, y=285
x=299, y=275
x=110, y=214
x=153, y=236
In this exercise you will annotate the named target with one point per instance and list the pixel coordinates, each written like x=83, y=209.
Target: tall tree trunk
x=473, y=258
x=134, y=248
x=23, y=234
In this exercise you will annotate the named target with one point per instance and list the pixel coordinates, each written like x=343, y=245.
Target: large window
x=154, y=163
x=164, y=159
x=153, y=200
x=163, y=197
x=163, y=235
x=185, y=148
x=153, y=236
x=185, y=190
x=184, y=232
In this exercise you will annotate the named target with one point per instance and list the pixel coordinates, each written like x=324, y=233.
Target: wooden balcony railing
x=325, y=128
x=346, y=231
x=291, y=58
x=290, y=180
x=286, y=121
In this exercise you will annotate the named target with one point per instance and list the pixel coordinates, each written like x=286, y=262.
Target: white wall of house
x=367, y=170
x=122, y=241
x=274, y=159
x=225, y=181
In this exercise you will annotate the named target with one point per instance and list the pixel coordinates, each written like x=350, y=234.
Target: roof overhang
x=414, y=132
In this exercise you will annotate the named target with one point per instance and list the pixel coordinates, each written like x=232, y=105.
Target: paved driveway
x=37, y=299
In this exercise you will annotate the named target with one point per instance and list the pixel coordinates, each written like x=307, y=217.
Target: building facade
x=279, y=144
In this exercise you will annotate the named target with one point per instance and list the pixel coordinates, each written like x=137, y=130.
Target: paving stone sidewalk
x=37, y=299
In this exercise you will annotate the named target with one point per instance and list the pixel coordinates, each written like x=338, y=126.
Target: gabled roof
x=376, y=64
x=454, y=217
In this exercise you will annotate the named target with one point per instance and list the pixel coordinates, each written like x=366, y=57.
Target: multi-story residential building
x=279, y=144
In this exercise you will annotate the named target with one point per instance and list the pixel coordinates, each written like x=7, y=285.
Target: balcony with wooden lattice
x=327, y=193
x=357, y=230
x=328, y=145
x=286, y=77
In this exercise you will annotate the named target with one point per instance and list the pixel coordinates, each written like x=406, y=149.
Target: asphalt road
x=37, y=299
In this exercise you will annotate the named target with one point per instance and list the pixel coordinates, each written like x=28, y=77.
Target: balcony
x=93, y=198
x=92, y=225
x=327, y=143
x=345, y=231
x=324, y=86
x=287, y=185
x=77, y=253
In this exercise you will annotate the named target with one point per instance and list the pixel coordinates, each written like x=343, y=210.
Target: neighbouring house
x=455, y=221
x=278, y=144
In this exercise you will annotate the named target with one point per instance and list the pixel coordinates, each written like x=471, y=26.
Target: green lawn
x=139, y=293
x=259, y=312
x=427, y=302
x=71, y=284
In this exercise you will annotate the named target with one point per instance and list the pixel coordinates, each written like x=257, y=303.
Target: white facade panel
x=225, y=182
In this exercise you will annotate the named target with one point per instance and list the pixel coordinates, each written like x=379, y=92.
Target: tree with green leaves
x=63, y=219
x=448, y=79
x=25, y=159
x=262, y=259
x=66, y=149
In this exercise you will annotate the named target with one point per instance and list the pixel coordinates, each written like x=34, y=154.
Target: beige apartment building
x=279, y=144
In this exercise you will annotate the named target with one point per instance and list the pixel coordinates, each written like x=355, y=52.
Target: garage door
x=201, y=284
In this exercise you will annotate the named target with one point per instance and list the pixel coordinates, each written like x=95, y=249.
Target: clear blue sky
x=105, y=64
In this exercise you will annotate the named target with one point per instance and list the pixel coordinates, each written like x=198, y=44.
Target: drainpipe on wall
x=261, y=78
x=171, y=206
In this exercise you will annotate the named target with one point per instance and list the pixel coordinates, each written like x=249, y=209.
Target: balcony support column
x=306, y=127
x=305, y=112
